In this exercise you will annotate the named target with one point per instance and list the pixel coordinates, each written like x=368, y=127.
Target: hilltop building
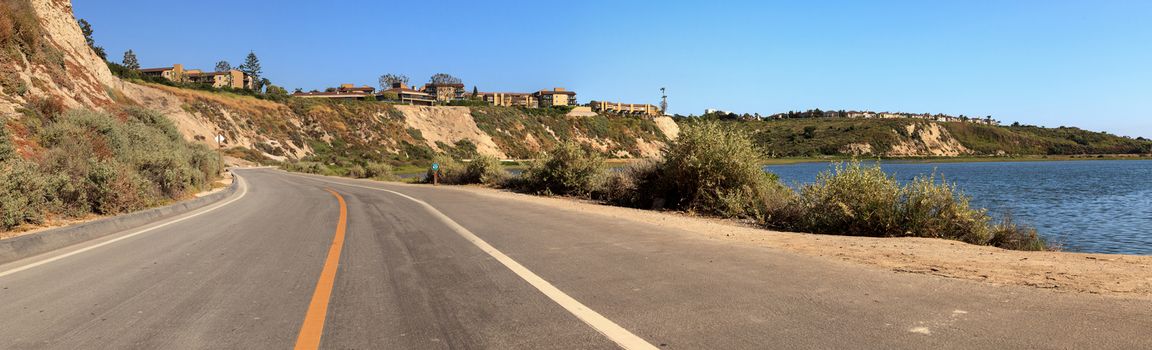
x=510, y=99
x=176, y=73
x=625, y=108
x=400, y=93
x=444, y=92
x=555, y=97
x=344, y=91
x=539, y=99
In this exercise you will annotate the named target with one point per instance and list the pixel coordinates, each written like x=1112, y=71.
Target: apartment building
x=624, y=108
x=233, y=78
x=444, y=92
x=511, y=99
x=555, y=97
x=539, y=99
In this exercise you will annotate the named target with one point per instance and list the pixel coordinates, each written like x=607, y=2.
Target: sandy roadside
x=1115, y=275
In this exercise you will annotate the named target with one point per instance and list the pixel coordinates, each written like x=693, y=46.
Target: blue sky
x=1051, y=63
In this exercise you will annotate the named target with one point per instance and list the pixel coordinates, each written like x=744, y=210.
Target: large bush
x=23, y=194
x=852, y=199
x=377, y=171
x=710, y=168
x=450, y=170
x=484, y=169
x=567, y=170
x=93, y=163
x=715, y=169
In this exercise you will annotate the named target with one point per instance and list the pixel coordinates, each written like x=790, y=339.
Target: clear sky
x=1051, y=63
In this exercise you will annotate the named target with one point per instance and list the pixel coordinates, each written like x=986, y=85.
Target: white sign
x=219, y=138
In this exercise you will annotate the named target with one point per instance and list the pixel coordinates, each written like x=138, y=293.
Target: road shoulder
x=1127, y=276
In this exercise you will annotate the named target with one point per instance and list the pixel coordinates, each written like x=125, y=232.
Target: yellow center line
x=313, y=327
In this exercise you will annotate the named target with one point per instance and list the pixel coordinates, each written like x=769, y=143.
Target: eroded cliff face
x=53, y=62
x=926, y=139
x=916, y=139
x=441, y=126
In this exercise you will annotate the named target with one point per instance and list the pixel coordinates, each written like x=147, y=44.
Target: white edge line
x=244, y=191
x=602, y=324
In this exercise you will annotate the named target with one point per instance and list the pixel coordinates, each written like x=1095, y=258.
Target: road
x=296, y=261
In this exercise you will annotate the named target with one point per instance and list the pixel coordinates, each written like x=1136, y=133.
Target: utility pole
x=663, y=102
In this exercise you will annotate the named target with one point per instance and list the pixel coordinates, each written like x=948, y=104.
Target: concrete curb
x=21, y=247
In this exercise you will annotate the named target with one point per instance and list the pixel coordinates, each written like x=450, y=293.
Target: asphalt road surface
x=295, y=261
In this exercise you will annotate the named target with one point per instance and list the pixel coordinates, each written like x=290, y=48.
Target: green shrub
x=23, y=192
x=715, y=169
x=851, y=199
x=566, y=170
x=1008, y=234
x=710, y=168
x=357, y=172
x=936, y=209
x=379, y=171
x=484, y=169
x=623, y=186
x=450, y=171
x=308, y=167
x=6, y=149
x=93, y=163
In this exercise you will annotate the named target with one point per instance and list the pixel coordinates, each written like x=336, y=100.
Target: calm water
x=1085, y=206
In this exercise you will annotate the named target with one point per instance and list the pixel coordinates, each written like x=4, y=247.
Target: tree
x=444, y=78
x=223, y=66
x=251, y=68
x=86, y=28
x=130, y=61
x=475, y=91
x=388, y=80
x=276, y=93
x=809, y=132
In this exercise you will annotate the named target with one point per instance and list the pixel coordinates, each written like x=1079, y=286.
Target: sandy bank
x=1116, y=275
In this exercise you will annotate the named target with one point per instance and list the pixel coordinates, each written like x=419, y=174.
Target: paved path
x=302, y=261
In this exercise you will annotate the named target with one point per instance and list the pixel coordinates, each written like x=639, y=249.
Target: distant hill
x=922, y=138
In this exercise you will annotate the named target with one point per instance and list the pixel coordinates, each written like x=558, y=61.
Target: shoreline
x=962, y=159
x=621, y=162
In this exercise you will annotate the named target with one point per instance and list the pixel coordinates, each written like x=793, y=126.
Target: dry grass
x=238, y=103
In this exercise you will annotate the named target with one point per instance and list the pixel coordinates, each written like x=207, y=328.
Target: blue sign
x=435, y=166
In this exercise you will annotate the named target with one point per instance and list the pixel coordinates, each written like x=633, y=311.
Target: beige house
x=539, y=99
x=233, y=78
x=402, y=94
x=511, y=99
x=624, y=108
x=444, y=92
x=556, y=97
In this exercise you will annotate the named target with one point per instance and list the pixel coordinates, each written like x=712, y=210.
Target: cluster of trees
x=388, y=80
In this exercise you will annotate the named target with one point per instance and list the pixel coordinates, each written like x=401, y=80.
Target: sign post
x=435, y=174
x=219, y=140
